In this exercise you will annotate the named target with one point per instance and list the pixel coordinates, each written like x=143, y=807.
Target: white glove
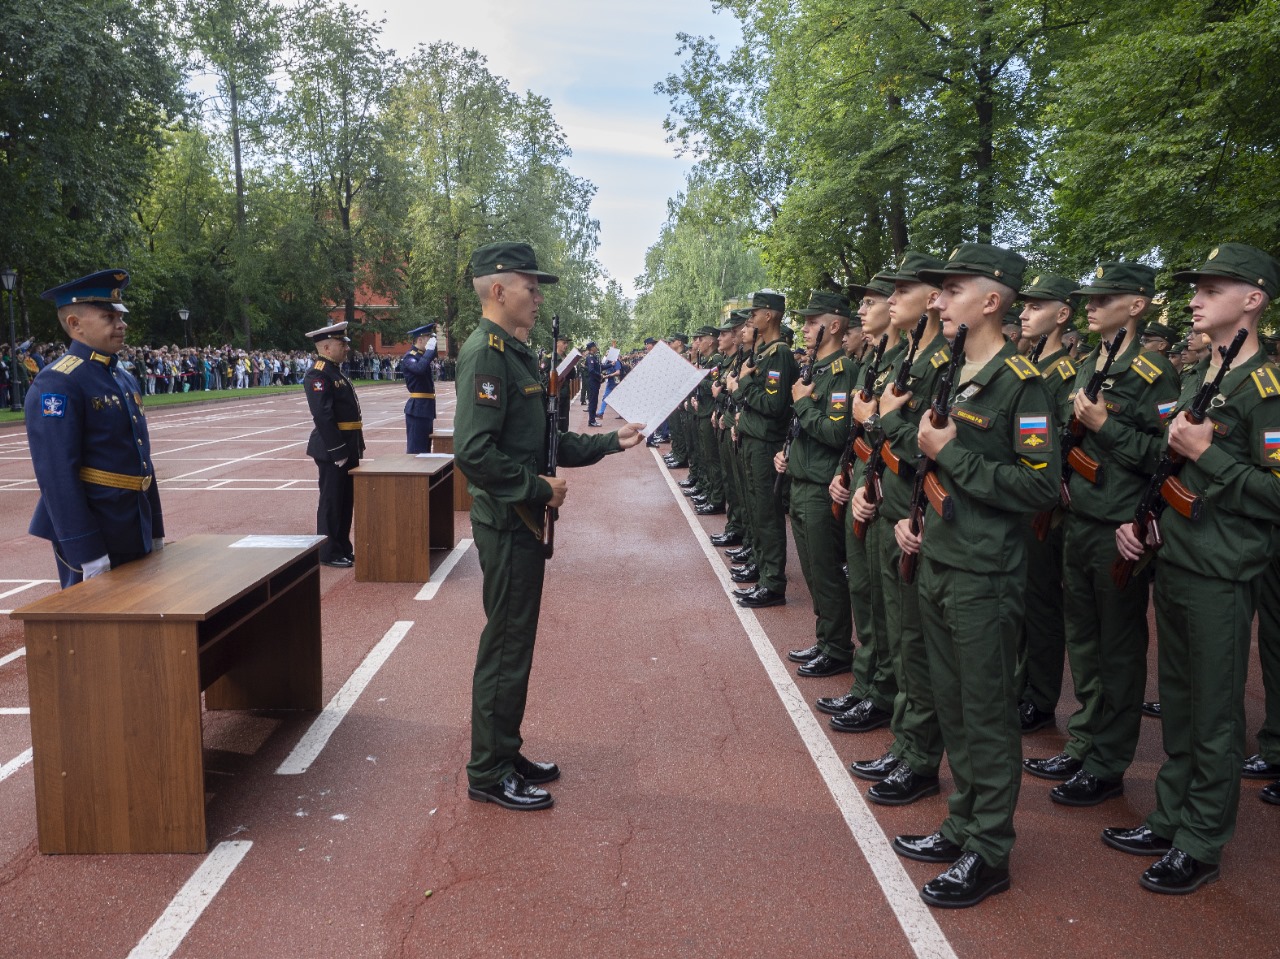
x=341, y=462
x=96, y=567
x=157, y=544
x=431, y=344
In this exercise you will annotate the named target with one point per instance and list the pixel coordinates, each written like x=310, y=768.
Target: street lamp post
x=9, y=277
x=186, y=333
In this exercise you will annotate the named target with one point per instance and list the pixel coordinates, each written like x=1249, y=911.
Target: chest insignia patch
x=1033, y=432
x=53, y=404
x=488, y=390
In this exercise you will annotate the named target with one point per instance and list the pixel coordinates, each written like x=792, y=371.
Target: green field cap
x=1048, y=286
x=909, y=268
x=1160, y=330
x=768, y=300
x=1116, y=277
x=705, y=331
x=980, y=259
x=822, y=302
x=508, y=258
x=1239, y=261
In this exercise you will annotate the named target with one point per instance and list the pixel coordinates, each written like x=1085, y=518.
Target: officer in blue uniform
x=420, y=410
x=594, y=373
x=336, y=442
x=99, y=504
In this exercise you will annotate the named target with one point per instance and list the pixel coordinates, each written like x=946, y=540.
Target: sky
x=597, y=62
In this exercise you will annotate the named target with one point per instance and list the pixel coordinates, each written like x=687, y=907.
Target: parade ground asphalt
x=704, y=808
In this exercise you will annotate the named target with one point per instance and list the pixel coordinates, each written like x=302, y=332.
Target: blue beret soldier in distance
x=499, y=441
x=420, y=408
x=335, y=444
x=99, y=503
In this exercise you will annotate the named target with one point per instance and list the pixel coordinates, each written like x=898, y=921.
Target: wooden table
x=403, y=510
x=115, y=667
x=442, y=442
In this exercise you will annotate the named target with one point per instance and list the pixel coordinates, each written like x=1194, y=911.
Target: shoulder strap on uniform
x=838, y=366
x=1146, y=369
x=67, y=363
x=1264, y=378
x=1022, y=367
x=942, y=357
x=1065, y=368
x=318, y=365
x=496, y=343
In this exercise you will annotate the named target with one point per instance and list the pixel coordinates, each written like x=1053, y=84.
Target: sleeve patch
x=1146, y=369
x=53, y=404
x=1022, y=367
x=317, y=384
x=839, y=402
x=67, y=364
x=1033, y=432
x=1264, y=378
x=488, y=389
x=1271, y=447
x=496, y=343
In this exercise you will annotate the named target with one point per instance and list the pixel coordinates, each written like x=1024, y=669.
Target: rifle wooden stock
x=939, y=498
x=1122, y=569
x=891, y=459
x=1085, y=465
x=1042, y=523
x=862, y=449
x=1185, y=502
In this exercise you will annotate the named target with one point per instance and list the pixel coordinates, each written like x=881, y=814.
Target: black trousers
x=593, y=400
x=337, y=504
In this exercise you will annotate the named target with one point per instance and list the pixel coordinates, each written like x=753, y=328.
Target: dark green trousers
x=820, y=545
x=971, y=623
x=513, y=567
x=1041, y=653
x=872, y=668
x=917, y=737
x=709, y=458
x=768, y=514
x=679, y=438
x=1269, y=655
x=1107, y=645
x=735, y=521
x=1204, y=627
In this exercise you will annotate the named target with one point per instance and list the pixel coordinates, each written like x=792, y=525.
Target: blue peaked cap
x=104, y=288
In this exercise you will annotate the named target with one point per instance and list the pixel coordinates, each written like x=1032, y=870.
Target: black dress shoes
x=804, y=655
x=763, y=597
x=739, y=554
x=749, y=573
x=863, y=718
x=1136, y=840
x=1178, y=874
x=711, y=509
x=686, y=484
x=932, y=848
x=338, y=562
x=1061, y=767
x=1085, y=789
x=824, y=665
x=835, y=705
x=536, y=773
x=1255, y=767
x=692, y=491
x=726, y=539
x=744, y=591
x=902, y=787
x=875, y=770
x=1151, y=709
x=1031, y=717
x=1271, y=794
x=965, y=884
x=512, y=793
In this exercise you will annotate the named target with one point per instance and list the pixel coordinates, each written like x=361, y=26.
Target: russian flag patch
x=1271, y=445
x=1164, y=409
x=1033, y=432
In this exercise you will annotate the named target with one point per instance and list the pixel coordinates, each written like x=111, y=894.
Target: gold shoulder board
x=1146, y=369
x=319, y=365
x=67, y=363
x=1066, y=369
x=1264, y=378
x=1022, y=367
x=496, y=343
x=838, y=366
x=942, y=356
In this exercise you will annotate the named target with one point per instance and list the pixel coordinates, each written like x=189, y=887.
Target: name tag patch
x=972, y=418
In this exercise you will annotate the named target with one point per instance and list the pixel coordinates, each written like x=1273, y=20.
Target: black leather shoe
x=1255, y=767
x=874, y=770
x=966, y=883
x=1271, y=794
x=932, y=848
x=1031, y=717
x=338, y=562
x=740, y=556
x=863, y=718
x=692, y=492
x=902, y=787
x=763, y=597
x=512, y=793
x=592, y=423
x=1085, y=789
x=726, y=539
x=686, y=484
x=1061, y=767
x=676, y=464
x=1151, y=709
x=745, y=574
x=804, y=655
x=1178, y=874
x=711, y=509
x=535, y=773
x=744, y=591
x=835, y=705
x=824, y=665
x=1136, y=840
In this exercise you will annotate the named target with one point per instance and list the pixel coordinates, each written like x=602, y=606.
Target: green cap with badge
x=768, y=300
x=980, y=259
x=909, y=267
x=705, y=331
x=822, y=302
x=734, y=320
x=1118, y=277
x=1159, y=330
x=1049, y=286
x=1239, y=261
x=508, y=258
x=877, y=285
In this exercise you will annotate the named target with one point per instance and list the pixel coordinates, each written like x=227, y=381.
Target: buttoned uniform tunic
x=92, y=458
x=1106, y=627
x=1207, y=580
x=338, y=435
x=1003, y=464
x=500, y=445
x=708, y=451
x=594, y=373
x=420, y=408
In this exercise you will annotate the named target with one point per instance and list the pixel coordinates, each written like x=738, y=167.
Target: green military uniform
x=707, y=449
x=1207, y=586
x=736, y=520
x=1002, y=465
x=681, y=448
x=1269, y=657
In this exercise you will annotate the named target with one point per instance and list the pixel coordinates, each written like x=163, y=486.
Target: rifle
x=876, y=461
x=748, y=361
x=806, y=377
x=855, y=433
x=1164, y=488
x=1036, y=353
x=927, y=489
x=553, y=438
x=1074, y=459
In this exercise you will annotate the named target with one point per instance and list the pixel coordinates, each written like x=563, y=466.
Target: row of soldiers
x=972, y=514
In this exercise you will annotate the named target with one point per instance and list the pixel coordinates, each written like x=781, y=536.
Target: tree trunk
x=241, y=231
x=984, y=149
x=897, y=205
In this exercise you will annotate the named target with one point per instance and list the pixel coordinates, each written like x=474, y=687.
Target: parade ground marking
x=432, y=586
x=163, y=938
x=13, y=765
x=6, y=660
x=15, y=711
x=918, y=924
x=315, y=738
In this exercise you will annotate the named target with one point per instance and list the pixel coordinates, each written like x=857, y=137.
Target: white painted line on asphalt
x=20, y=651
x=432, y=586
x=324, y=726
x=13, y=765
x=26, y=584
x=918, y=924
x=15, y=710
x=163, y=938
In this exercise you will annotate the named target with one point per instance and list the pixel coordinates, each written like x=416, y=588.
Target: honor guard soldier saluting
x=99, y=505
x=336, y=442
x=420, y=410
x=500, y=439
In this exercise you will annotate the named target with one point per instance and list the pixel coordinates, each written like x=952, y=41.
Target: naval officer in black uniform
x=99, y=504
x=336, y=442
x=420, y=409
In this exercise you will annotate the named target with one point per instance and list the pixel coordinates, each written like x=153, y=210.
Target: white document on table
x=655, y=387
x=275, y=542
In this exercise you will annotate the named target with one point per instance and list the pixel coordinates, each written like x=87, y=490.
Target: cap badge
x=1098, y=274
x=953, y=253
x=1035, y=281
x=1213, y=253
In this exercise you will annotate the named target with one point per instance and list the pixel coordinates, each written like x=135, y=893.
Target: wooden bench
x=403, y=510
x=115, y=668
